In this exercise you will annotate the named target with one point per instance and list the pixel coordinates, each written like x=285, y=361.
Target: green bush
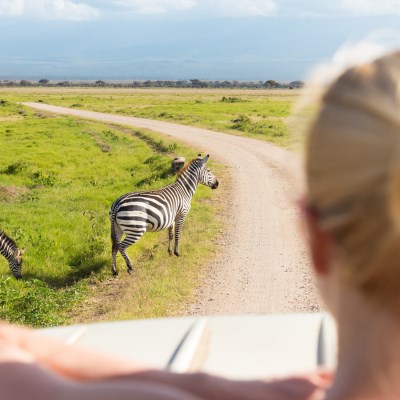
x=34, y=303
x=15, y=168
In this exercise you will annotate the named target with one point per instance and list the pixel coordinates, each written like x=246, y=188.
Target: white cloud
x=372, y=7
x=80, y=10
x=11, y=7
x=154, y=6
x=231, y=8
x=49, y=9
x=243, y=8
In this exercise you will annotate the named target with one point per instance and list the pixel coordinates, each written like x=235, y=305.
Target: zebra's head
x=207, y=178
x=15, y=263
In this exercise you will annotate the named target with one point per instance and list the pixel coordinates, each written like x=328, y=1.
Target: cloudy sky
x=182, y=39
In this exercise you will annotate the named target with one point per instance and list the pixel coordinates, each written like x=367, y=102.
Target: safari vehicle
x=240, y=347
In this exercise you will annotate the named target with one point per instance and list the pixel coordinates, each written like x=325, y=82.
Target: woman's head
x=353, y=175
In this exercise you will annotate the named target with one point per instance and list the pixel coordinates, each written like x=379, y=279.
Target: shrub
x=15, y=168
x=241, y=123
x=34, y=303
x=45, y=180
x=232, y=100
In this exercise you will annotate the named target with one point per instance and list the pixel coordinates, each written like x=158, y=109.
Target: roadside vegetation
x=179, y=84
x=58, y=178
x=260, y=114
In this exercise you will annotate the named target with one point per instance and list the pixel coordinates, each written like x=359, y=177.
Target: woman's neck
x=369, y=351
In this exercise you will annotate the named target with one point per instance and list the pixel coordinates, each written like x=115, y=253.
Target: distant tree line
x=190, y=83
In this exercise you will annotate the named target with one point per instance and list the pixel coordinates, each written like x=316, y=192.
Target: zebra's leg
x=122, y=249
x=170, y=238
x=178, y=227
x=123, y=246
x=116, y=234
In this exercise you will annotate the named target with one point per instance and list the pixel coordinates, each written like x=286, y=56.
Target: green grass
x=58, y=178
x=260, y=114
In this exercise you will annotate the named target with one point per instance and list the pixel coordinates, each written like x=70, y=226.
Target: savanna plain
x=59, y=176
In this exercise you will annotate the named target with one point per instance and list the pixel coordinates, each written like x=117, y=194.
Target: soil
x=263, y=265
x=11, y=193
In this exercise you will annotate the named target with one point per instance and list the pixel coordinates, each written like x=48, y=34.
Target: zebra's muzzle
x=214, y=185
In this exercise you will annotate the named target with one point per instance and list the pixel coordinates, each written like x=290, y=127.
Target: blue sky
x=181, y=39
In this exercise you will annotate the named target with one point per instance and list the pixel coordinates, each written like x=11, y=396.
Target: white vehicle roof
x=241, y=347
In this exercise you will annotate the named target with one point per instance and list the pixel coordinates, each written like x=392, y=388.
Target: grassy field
x=58, y=178
x=261, y=114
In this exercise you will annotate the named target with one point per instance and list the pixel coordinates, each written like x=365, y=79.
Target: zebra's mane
x=185, y=168
x=4, y=235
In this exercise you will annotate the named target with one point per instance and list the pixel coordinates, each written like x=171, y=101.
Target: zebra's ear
x=205, y=159
x=198, y=156
x=22, y=251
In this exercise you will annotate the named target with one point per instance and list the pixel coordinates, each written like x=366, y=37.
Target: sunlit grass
x=58, y=178
x=265, y=111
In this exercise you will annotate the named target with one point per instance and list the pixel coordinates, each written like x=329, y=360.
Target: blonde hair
x=353, y=174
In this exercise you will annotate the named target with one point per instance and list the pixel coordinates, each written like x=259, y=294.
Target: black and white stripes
x=12, y=253
x=135, y=213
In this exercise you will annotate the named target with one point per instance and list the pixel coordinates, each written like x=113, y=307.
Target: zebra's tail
x=113, y=214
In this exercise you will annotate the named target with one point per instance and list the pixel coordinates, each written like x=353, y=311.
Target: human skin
x=368, y=334
x=51, y=369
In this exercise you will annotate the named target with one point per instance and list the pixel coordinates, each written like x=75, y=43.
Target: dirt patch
x=9, y=194
x=100, y=143
x=44, y=115
x=101, y=300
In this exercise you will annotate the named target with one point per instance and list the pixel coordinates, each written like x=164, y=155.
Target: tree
x=25, y=83
x=226, y=84
x=182, y=84
x=296, y=84
x=43, y=81
x=272, y=84
x=196, y=83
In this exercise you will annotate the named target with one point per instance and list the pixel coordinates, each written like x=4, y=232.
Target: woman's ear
x=320, y=243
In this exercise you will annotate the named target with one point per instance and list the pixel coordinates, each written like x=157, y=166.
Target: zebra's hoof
x=176, y=253
x=170, y=252
x=130, y=271
x=115, y=273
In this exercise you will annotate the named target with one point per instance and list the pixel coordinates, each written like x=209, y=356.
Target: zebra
x=12, y=253
x=135, y=213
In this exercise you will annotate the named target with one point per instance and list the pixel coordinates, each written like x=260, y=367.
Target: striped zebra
x=12, y=253
x=137, y=212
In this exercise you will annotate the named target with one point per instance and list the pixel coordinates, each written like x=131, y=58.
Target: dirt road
x=263, y=265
